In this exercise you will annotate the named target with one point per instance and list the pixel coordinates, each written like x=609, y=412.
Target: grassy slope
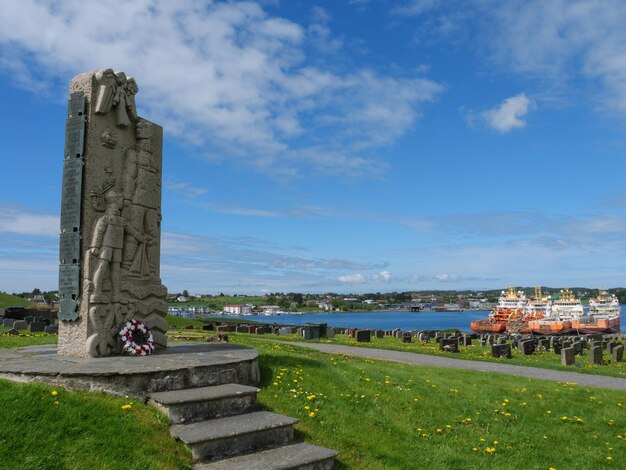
x=8, y=300
x=82, y=430
x=381, y=415
x=547, y=360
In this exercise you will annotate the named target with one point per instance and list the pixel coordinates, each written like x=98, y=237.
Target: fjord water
x=424, y=320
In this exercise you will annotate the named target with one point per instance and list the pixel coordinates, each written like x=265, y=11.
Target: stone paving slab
x=589, y=380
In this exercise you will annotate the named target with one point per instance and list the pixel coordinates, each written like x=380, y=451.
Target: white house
x=237, y=309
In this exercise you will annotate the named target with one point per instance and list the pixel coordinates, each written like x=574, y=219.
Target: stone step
x=199, y=404
x=234, y=435
x=300, y=456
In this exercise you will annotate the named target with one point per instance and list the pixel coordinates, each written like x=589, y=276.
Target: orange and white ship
x=539, y=306
x=511, y=308
x=564, y=311
x=603, y=315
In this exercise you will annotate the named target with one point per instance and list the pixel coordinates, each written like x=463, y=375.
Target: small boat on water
x=510, y=308
x=564, y=311
x=604, y=315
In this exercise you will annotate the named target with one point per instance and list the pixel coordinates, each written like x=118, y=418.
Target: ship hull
x=598, y=325
x=544, y=327
x=487, y=326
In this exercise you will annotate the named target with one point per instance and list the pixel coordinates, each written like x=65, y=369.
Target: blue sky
x=347, y=146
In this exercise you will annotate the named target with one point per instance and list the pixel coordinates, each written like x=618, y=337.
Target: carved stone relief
x=120, y=217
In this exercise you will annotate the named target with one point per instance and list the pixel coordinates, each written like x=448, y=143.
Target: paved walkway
x=588, y=380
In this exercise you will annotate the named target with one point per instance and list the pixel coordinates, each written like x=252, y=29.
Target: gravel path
x=589, y=380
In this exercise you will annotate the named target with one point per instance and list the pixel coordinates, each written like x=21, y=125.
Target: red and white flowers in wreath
x=136, y=339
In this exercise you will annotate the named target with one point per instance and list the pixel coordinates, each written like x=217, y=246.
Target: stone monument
x=110, y=218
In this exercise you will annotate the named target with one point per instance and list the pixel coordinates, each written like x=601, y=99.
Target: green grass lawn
x=547, y=360
x=75, y=430
x=8, y=300
x=380, y=415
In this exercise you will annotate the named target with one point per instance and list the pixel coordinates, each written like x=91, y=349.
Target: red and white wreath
x=136, y=339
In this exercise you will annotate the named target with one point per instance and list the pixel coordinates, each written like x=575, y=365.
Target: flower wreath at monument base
x=136, y=339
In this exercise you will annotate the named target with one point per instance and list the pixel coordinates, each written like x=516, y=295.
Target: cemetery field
x=546, y=359
x=382, y=415
x=25, y=339
x=49, y=428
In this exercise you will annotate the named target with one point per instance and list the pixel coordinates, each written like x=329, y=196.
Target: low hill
x=8, y=300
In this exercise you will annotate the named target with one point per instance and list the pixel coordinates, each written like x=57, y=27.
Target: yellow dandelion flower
x=474, y=449
x=311, y=415
x=54, y=393
x=127, y=407
x=439, y=430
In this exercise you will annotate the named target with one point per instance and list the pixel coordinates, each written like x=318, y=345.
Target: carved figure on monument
x=106, y=246
x=142, y=188
x=115, y=90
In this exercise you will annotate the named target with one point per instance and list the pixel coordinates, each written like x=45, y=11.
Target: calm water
x=383, y=320
x=379, y=320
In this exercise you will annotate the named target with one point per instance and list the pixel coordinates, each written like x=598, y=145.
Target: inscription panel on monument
x=76, y=104
x=69, y=248
x=69, y=280
x=75, y=136
x=70, y=199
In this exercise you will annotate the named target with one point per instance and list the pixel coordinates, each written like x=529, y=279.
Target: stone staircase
x=222, y=428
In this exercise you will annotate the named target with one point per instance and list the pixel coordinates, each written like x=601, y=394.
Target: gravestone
x=12, y=332
x=20, y=325
x=618, y=353
x=578, y=347
x=209, y=327
x=380, y=334
x=29, y=319
x=406, y=337
x=362, y=336
x=527, y=347
x=52, y=329
x=37, y=327
x=501, y=350
x=240, y=329
x=595, y=355
x=330, y=333
x=424, y=337
x=543, y=344
x=110, y=241
x=612, y=345
x=466, y=340
x=8, y=322
x=568, y=356
x=449, y=345
x=557, y=346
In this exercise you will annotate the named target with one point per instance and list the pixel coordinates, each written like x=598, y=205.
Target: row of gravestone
x=35, y=327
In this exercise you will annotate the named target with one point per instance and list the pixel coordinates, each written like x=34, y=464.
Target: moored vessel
x=559, y=320
x=510, y=308
x=604, y=315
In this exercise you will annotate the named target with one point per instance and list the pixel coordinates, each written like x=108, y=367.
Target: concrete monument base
x=182, y=366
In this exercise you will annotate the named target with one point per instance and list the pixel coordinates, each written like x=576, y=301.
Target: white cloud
x=184, y=188
x=415, y=7
x=382, y=277
x=20, y=222
x=227, y=77
x=509, y=114
x=351, y=278
x=561, y=42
